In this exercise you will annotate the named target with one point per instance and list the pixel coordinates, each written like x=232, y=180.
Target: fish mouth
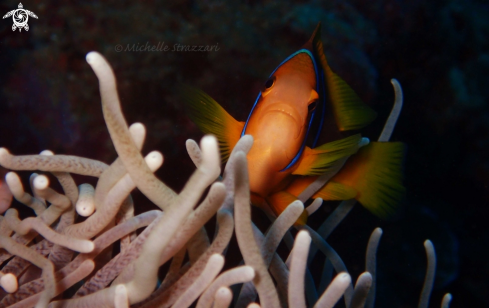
x=287, y=110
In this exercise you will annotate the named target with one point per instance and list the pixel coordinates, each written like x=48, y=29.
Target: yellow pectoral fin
x=279, y=202
x=375, y=172
x=320, y=160
x=349, y=110
x=211, y=118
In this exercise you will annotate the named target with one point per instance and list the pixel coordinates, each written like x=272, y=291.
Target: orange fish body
x=280, y=164
x=279, y=124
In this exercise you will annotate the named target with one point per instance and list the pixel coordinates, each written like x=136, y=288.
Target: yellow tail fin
x=375, y=172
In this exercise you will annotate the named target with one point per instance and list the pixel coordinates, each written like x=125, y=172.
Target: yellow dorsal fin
x=375, y=172
x=349, y=110
x=211, y=118
x=279, y=202
x=319, y=160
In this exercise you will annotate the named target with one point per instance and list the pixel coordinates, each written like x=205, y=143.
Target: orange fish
x=280, y=165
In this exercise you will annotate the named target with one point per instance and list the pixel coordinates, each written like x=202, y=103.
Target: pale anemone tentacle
x=424, y=298
x=314, y=206
x=59, y=255
x=386, y=133
x=278, y=269
x=278, y=229
x=101, y=243
x=223, y=298
x=116, y=170
x=200, y=241
x=174, y=272
x=269, y=245
x=346, y=206
x=33, y=188
x=56, y=163
x=17, y=265
x=15, y=186
x=330, y=223
x=362, y=288
x=211, y=270
x=112, y=175
x=47, y=267
x=146, y=265
x=236, y=275
x=310, y=288
x=8, y=282
x=23, y=227
x=5, y=197
x=445, y=303
x=194, y=152
x=107, y=274
x=333, y=256
x=246, y=240
x=125, y=213
x=128, y=152
x=198, y=244
x=4, y=230
x=68, y=184
x=98, y=220
x=244, y=145
x=120, y=298
x=371, y=264
x=194, y=222
x=334, y=291
x=298, y=270
x=59, y=204
x=67, y=282
x=85, y=205
x=165, y=298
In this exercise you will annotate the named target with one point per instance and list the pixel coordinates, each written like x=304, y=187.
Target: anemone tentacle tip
x=91, y=56
x=41, y=182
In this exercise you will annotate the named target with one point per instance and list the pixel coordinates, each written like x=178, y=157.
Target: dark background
x=438, y=50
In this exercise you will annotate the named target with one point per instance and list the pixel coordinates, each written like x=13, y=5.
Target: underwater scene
x=213, y=153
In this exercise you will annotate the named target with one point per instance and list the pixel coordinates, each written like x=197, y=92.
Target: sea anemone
x=77, y=259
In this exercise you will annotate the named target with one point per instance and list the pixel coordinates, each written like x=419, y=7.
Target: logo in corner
x=20, y=18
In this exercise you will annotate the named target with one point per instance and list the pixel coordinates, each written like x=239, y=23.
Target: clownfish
x=280, y=164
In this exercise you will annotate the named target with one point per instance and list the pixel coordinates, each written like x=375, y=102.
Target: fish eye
x=311, y=106
x=269, y=83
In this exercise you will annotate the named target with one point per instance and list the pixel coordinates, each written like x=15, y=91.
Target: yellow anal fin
x=279, y=202
x=211, y=118
x=335, y=191
x=331, y=191
x=319, y=160
x=375, y=172
x=299, y=184
x=349, y=110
